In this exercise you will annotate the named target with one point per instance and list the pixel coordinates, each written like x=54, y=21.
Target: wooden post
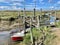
x=31, y=31
x=38, y=24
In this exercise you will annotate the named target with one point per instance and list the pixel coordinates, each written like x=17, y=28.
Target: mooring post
x=31, y=31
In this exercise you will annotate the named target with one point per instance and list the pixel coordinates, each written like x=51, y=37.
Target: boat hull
x=17, y=38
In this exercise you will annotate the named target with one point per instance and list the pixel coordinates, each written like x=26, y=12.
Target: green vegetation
x=44, y=35
x=8, y=14
x=14, y=14
x=58, y=24
x=27, y=40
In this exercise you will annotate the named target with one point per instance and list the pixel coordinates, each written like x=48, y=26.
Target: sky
x=29, y=4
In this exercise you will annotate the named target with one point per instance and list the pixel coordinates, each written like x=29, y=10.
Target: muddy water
x=4, y=38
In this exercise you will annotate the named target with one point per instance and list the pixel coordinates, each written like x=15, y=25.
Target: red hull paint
x=17, y=38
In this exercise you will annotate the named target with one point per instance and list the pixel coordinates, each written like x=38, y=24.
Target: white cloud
x=5, y=0
x=41, y=1
x=58, y=2
x=31, y=6
x=52, y=7
x=9, y=8
x=11, y=0
x=2, y=0
x=15, y=8
x=16, y=4
x=4, y=7
x=13, y=4
x=1, y=7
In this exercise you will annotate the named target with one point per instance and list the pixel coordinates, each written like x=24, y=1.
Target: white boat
x=17, y=36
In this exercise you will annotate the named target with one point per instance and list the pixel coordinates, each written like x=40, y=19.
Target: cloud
x=16, y=4
x=8, y=1
x=2, y=0
x=31, y=6
x=58, y=2
x=5, y=0
x=41, y=2
x=51, y=7
x=10, y=4
x=4, y=7
x=10, y=8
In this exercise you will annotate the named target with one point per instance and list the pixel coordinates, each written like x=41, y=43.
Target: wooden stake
x=31, y=31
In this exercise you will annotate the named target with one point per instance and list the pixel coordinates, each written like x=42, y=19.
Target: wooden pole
x=55, y=16
x=38, y=24
x=31, y=31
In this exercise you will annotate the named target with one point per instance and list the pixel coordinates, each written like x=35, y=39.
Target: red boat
x=18, y=36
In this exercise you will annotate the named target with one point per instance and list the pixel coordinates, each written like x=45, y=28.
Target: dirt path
x=57, y=33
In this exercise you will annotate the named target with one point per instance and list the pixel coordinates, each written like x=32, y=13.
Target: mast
x=24, y=16
x=41, y=11
x=34, y=9
x=31, y=31
x=55, y=14
x=50, y=11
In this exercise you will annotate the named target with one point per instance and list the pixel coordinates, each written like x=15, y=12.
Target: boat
x=17, y=36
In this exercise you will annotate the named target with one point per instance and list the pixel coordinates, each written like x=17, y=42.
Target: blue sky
x=29, y=4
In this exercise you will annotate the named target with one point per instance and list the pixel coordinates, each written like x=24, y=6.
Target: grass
x=8, y=14
x=38, y=34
